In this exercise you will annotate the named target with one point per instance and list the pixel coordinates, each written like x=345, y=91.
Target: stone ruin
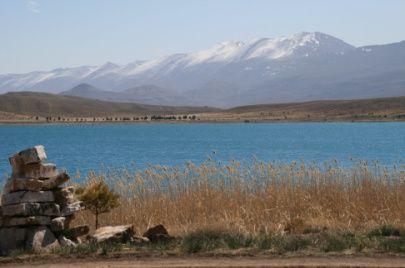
x=36, y=210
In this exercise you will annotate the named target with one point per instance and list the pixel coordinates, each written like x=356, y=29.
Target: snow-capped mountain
x=304, y=66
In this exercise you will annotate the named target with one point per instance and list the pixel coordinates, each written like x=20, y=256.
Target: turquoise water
x=84, y=147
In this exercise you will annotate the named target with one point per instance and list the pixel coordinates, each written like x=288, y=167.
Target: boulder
x=53, y=182
x=61, y=223
x=16, y=163
x=18, y=184
x=39, y=171
x=31, y=209
x=65, y=196
x=116, y=234
x=27, y=197
x=72, y=208
x=32, y=155
x=157, y=234
x=25, y=221
x=41, y=239
x=74, y=233
x=64, y=242
x=11, y=239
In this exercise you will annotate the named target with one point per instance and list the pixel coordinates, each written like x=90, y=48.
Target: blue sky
x=47, y=34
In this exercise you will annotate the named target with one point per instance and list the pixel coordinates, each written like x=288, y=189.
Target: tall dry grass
x=256, y=197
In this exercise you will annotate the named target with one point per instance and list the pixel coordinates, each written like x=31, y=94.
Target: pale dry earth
x=227, y=262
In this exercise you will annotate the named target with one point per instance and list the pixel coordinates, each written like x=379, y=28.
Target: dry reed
x=256, y=197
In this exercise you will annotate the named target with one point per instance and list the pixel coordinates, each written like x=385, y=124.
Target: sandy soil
x=228, y=262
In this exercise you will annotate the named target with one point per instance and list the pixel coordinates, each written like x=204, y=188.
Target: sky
x=49, y=34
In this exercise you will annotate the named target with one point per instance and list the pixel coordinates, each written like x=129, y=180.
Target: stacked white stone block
x=36, y=211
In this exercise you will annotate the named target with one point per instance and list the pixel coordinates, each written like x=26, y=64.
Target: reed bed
x=256, y=197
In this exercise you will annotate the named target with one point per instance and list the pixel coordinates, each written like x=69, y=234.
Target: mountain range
x=302, y=67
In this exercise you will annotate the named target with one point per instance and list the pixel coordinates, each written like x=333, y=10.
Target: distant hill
x=89, y=92
x=366, y=109
x=45, y=104
x=147, y=94
x=22, y=104
x=330, y=106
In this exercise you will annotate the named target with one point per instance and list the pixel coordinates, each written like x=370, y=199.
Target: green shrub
x=290, y=243
x=264, y=241
x=392, y=244
x=90, y=248
x=385, y=230
x=203, y=240
x=18, y=252
x=208, y=240
x=235, y=241
x=339, y=242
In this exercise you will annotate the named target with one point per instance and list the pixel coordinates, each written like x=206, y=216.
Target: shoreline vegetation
x=41, y=108
x=251, y=209
x=257, y=197
x=263, y=206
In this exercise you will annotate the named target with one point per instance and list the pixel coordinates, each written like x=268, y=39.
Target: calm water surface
x=84, y=147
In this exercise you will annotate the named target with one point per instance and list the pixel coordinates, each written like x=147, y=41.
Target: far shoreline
x=166, y=122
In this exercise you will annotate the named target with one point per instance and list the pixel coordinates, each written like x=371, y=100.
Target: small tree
x=98, y=197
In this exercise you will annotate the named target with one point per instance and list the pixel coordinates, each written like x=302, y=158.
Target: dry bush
x=257, y=197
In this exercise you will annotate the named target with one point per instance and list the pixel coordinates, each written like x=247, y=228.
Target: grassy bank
x=381, y=240
x=384, y=240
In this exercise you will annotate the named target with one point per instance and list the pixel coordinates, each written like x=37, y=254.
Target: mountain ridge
x=302, y=67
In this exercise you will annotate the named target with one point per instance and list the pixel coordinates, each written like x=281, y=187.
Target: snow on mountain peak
x=301, y=44
x=223, y=51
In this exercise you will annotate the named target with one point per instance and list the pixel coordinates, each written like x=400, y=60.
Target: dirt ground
x=225, y=262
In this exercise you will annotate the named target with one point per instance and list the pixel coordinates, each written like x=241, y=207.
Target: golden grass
x=257, y=197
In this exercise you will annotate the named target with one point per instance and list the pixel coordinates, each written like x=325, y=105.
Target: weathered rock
x=27, y=197
x=17, y=184
x=72, y=208
x=39, y=171
x=33, y=155
x=61, y=223
x=64, y=242
x=41, y=239
x=25, y=221
x=65, y=196
x=75, y=232
x=31, y=209
x=157, y=233
x=54, y=182
x=118, y=234
x=26, y=157
x=16, y=163
x=140, y=240
x=23, y=184
x=11, y=239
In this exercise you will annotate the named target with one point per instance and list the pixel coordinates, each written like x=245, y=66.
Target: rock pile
x=36, y=211
x=126, y=234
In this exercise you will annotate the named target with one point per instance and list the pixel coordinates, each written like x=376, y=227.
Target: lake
x=85, y=147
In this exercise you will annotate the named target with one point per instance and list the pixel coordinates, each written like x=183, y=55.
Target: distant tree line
x=111, y=118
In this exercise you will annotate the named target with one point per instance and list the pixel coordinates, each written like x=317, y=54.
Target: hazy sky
x=47, y=34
